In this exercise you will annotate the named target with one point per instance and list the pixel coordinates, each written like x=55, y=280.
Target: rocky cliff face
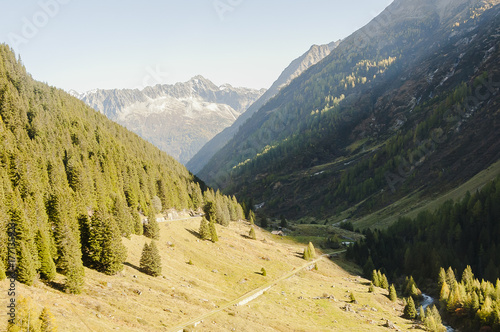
x=314, y=55
x=179, y=118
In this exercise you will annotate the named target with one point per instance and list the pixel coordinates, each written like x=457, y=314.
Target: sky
x=107, y=44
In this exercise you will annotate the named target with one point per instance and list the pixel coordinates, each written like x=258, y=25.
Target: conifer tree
x=312, y=251
x=410, y=311
x=371, y=289
x=263, y=272
x=385, y=283
x=47, y=321
x=113, y=252
x=442, y=277
x=421, y=313
x=213, y=232
x=150, y=262
x=251, y=217
x=204, y=229
x=252, y=234
x=151, y=228
x=375, y=278
x=444, y=293
x=48, y=268
x=137, y=221
x=26, y=271
x=393, y=296
x=210, y=212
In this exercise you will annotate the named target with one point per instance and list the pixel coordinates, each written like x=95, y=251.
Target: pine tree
x=151, y=228
x=26, y=271
x=445, y=292
x=421, y=313
x=48, y=268
x=252, y=234
x=150, y=262
x=263, y=272
x=204, y=231
x=113, y=252
x=375, y=279
x=213, y=232
x=409, y=311
x=210, y=211
x=74, y=279
x=352, y=297
x=450, y=277
x=47, y=321
x=312, y=251
x=442, y=277
x=137, y=221
x=251, y=217
x=385, y=283
x=393, y=296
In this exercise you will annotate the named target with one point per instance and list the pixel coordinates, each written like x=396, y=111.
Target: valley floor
x=220, y=273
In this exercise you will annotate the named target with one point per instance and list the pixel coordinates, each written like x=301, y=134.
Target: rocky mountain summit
x=177, y=118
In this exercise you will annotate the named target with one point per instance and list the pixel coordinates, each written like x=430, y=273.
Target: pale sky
x=87, y=44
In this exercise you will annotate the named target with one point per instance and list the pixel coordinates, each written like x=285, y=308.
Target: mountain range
x=315, y=54
x=177, y=118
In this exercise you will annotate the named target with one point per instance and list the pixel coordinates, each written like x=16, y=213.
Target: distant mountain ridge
x=314, y=55
x=177, y=118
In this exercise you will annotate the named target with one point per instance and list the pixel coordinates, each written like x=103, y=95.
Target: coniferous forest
x=460, y=235
x=72, y=183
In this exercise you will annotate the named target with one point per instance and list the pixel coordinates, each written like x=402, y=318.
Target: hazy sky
x=87, y=44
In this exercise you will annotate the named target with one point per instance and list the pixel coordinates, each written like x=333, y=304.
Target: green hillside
x=407, y=104
x=72, y=183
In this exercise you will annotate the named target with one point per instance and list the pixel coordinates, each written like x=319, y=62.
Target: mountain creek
x=427, y=302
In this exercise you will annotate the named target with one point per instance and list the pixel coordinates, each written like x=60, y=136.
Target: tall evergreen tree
x=213, y=232
x=204, y=231
x=103, y=250
x=151, y=227
x=393, y=296
x=410, y=311
x=210, y=211
x=252, y=234
x=26, y=271
x=150, y=262
x=48, y=268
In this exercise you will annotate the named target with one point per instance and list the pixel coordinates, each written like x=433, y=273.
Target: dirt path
x=249, y=296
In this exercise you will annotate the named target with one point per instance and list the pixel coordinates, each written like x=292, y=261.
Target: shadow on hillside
x=246, y=236
x=133, y=266
x=299, y=254
x=56, y=285
x=195, y=233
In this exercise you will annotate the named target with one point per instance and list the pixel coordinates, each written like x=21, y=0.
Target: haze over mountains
x=177, y=118
x=314, y=55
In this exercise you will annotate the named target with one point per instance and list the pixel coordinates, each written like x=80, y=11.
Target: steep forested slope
x=409, y=102
x=72, y=182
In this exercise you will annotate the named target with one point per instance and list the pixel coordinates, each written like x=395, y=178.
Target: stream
x=427, y=301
